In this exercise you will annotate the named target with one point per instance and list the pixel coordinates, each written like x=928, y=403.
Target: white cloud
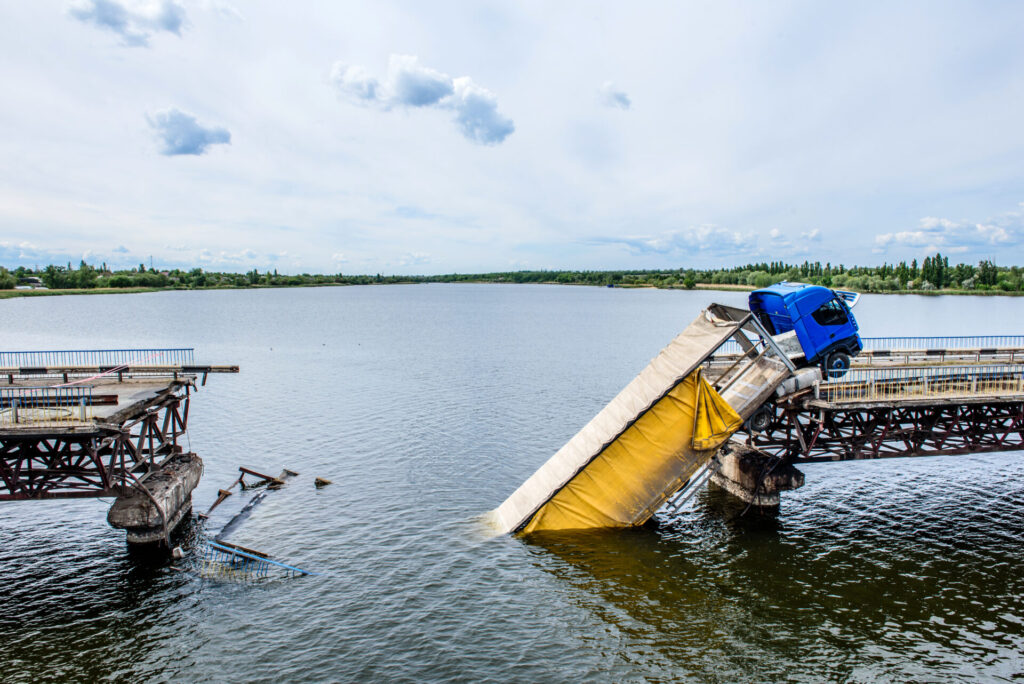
x=355, y=82
x=707, y=238
x=611, y=96
x=412, y=85
x=476, y=111
x=134, y=20
x=941, y=234
x=414, y=259
x=180, y=133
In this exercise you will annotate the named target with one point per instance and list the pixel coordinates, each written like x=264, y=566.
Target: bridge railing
x=45, y=406
x=97, y=357
x=883, y=384
x=943, y=342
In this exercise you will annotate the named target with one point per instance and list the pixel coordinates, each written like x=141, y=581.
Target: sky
x=422, y=138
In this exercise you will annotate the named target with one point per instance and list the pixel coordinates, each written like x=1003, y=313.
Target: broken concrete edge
x=155, y=535
x=741, y=472
x=171, y=486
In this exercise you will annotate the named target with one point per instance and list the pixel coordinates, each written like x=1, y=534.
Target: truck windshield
x=831, y=312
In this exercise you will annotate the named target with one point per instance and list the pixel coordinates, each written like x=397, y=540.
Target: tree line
x=934, y=273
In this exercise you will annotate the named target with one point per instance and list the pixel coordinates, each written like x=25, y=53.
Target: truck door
x=833, y=323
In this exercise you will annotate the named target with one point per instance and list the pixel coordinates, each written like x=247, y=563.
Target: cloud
x=477, y=114
x=414, y=259
x=224, y=10
x=708, y=238
x=412, y=85
x=355, y=82
x=614, y=97
x=813, y=235
x=182, y=134
x=134, y=20
x=120, y=249
x=941, y=234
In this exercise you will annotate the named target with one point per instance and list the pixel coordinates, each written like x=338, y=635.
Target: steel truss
x=103, y=460
x=841, y=433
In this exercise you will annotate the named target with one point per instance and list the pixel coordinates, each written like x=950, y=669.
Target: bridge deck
x=92, y=422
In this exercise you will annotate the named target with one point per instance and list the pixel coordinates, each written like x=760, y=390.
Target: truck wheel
x=836, y=364
x=761, y=420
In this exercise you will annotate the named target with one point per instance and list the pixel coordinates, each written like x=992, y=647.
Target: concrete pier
x=150, y=518
x=754, y=476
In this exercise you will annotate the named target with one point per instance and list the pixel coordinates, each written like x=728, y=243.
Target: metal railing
x=946, y=342
x=883, y=384
x=96, y=357
x=45, y=405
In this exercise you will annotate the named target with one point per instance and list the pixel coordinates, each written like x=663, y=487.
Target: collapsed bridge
x=723, y=402
x=102, y=423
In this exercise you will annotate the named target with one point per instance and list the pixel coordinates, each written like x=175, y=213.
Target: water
x=426, y=405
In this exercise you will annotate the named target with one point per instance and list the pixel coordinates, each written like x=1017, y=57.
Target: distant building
x=30, y=283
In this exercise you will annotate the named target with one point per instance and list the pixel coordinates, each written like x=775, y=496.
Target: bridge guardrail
x=882, y=384
x=45, y=405
x=943, y=342
x=97, y=357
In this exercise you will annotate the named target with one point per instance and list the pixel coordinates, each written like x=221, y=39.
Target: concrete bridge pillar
x=754, y=477
x=149, y=517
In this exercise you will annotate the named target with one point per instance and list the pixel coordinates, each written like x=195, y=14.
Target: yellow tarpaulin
x=632, y=477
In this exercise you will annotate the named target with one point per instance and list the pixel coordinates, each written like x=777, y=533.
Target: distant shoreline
x=12, y=294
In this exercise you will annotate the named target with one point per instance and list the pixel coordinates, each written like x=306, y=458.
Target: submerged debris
x=225, y=560
x=222, y=559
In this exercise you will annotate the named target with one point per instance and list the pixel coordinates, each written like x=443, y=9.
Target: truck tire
x=836, y=364
x=762, y=419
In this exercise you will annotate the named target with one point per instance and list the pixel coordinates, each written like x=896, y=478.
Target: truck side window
x=831, y=313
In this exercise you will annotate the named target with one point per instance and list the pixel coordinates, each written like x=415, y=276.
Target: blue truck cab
x=820, y=318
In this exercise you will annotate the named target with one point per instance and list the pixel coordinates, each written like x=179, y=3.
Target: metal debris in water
x=230, y=561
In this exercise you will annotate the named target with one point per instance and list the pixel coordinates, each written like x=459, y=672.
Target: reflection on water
x=880, y=581
x=427, y=405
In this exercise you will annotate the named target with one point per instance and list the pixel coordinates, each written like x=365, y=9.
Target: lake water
x=427, y=405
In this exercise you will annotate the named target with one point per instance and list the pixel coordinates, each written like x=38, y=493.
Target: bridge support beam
x=754, y=477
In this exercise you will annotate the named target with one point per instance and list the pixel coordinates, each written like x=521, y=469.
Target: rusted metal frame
x=1015, y=425
x=151, y=422
x=105, y=476
x=65, y=463
x=939, y=436
x=991, y=426
x=37, y=471
x=140, y=450
x=6, y=473
x=881, y=439
x=158, y=434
